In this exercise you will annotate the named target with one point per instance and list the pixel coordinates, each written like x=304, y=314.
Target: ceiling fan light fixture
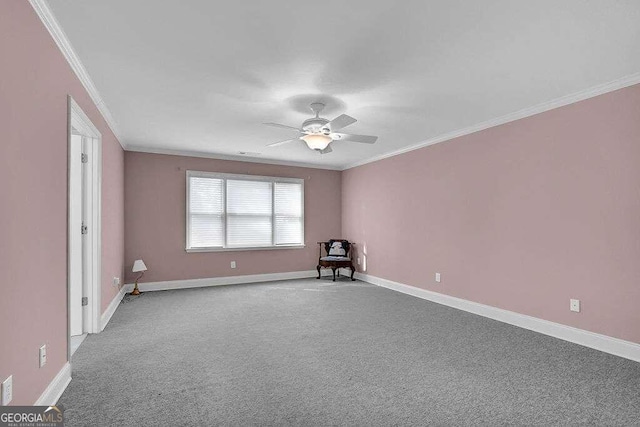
x=317, y=141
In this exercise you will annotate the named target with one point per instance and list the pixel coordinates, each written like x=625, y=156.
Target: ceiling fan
x=318, y=133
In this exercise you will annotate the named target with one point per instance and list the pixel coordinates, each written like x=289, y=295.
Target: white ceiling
x=200, y=76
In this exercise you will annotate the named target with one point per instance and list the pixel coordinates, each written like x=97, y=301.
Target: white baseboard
x=222, y=281
x=56, y=387
x=607, y=344
x=113, y=306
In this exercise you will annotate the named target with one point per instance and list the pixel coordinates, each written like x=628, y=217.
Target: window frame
x=240, y=177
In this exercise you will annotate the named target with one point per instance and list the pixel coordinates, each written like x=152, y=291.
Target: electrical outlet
x=43, y=355
x=7, y=390
x=358, y=260
x=574, y=305
x=233, y=264
x=437, y=277
x=116, y=281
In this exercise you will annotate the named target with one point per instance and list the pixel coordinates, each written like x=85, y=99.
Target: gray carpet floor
x=311, y=352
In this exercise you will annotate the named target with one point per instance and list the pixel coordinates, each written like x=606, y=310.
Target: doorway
x=83, y=248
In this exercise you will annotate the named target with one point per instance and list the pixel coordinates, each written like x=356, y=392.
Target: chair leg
x=338, y=272
x=353, y=270
x=318, y=268
x=334, y=273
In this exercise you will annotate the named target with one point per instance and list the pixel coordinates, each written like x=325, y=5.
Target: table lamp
x=138, y=267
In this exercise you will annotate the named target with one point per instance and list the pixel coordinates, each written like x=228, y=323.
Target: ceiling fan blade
x=326, y=150
x=365, y=139
x=340, y=122
x=278, y=125
x=286, y=141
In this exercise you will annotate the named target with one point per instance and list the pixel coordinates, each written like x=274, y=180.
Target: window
x=227, y=212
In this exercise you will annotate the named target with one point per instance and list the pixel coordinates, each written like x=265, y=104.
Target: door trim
x=93, y=239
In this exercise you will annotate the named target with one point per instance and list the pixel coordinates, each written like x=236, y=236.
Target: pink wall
x=112, y=216
x=155, y=218
x=522, y=216
x=35, y=80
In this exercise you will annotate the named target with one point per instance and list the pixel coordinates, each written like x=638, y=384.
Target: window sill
x=256, y=248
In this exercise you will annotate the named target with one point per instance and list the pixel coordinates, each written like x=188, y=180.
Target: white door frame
x=78, y=120
x=76, y=253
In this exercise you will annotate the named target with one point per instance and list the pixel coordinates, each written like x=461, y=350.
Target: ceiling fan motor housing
x=316, y=125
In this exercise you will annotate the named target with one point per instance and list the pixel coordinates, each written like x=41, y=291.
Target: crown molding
x=244, y=159
x=47, y=17
x=594, y=91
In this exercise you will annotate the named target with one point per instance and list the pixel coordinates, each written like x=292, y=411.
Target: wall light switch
x=7, y=390
x=574, y=305
x=358, y=260
x=438, y=277
x=43, y=355
x=233, y=264
x=116, y=281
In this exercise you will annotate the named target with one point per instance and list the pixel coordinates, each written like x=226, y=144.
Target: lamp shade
x=317, y=141
x=139, y=266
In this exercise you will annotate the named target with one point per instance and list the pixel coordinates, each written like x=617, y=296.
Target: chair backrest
x=337, y=247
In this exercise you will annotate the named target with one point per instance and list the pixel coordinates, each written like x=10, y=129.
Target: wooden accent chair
x=338, y=256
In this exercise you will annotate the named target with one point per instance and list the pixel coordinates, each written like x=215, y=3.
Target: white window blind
x=288, y=213
x=206, y=214
x=249, y=213
x=227, y=211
